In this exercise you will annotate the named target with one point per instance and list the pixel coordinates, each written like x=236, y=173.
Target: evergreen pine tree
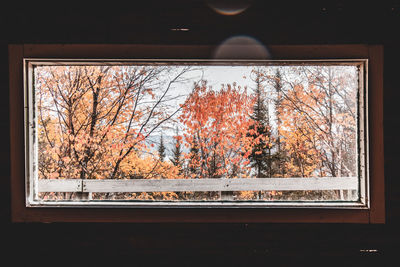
x=194, y=157
x=161, y=149
x=177, y=153
x=260, y=157
x=280, y=155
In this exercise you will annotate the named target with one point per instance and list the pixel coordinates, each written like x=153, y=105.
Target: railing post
x=226, y=195
x=83, y=195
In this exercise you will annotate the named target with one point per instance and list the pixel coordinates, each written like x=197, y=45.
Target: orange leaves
x=87, y=118
x=317, y=119
x=219, y=120
x=150, y=92
x=138, y=165
x=92, y=118
x=54, y=175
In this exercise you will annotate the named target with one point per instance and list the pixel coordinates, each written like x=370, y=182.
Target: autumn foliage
x=216, y=122
x=107, y=122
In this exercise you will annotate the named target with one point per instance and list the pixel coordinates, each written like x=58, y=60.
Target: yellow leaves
x=246, y=195
x=75, y=134
x=54, y=175
x=66, y=159
x=149, y=167
x=218, y=118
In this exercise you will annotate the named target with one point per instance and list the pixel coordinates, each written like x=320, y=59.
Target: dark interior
x=155, y=244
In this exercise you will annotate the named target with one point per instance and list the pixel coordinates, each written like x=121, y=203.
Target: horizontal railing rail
x=203, y=184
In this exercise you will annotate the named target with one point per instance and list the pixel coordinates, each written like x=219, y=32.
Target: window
x=285, y=135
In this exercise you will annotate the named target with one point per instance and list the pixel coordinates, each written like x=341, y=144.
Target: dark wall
x=315, y=22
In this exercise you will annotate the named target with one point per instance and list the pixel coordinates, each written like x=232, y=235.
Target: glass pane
x=196, y=122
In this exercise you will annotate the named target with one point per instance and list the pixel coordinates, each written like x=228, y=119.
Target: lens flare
x=241, y=47
x=229, y=7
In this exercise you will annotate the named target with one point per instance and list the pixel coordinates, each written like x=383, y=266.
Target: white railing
x=204, y=184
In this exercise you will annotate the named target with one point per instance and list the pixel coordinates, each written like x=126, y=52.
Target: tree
x=280, y=154
x=216, y=126
x=92, y=119
x=299, y=139
x=260, y=156
x=193, y=157
x=177, y=152
x=315, y=120
x=324, y=105
x=95, y=123
x=161, y=149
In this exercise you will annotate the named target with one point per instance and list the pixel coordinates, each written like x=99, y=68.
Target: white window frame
x=34, y=186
